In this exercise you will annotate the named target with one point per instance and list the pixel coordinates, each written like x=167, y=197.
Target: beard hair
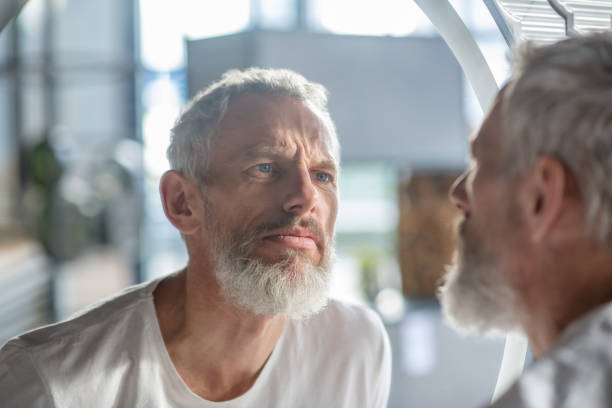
x=475, y=295
x=292, y=286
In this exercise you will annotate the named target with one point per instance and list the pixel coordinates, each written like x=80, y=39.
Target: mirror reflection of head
x=253, y=189
x=535, y=203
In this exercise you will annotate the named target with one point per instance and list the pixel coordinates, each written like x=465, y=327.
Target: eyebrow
x=328, y=164
x=258, y=151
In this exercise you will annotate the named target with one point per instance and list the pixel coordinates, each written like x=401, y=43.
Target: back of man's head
x=559, y=103
x=195, y=130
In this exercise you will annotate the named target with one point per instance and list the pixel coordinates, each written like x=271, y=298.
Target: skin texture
x=272, y=161
x=532, y=230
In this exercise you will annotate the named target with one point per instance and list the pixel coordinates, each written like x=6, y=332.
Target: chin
x=289, y=287
x=476, y=299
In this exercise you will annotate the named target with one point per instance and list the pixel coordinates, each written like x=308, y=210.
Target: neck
x=216, y=347
x=579, y=285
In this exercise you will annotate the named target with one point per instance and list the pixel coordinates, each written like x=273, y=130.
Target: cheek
x=232, y=210
x=481, y=195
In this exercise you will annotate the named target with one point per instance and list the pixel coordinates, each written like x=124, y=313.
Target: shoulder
x=576, y=372
x=92, y=318
x=71, y=347
x=349, y=342
x=347, y=329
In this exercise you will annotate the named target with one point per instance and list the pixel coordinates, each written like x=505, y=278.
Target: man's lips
x=301, y=239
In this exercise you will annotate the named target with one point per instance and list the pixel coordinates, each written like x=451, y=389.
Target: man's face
x=478, y=292
x=271, y=205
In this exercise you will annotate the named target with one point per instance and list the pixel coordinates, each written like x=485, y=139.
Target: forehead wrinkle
x=278, y=149
x=281, y=136
x=287, y=124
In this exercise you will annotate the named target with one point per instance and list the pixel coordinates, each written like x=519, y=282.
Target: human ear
x=544, y=190
x=182, y=202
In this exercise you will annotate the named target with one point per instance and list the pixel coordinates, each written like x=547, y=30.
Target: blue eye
x=323, y=177
x=264, y=167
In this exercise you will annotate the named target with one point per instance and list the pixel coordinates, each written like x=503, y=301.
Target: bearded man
x=247, y=323
x=535, y=238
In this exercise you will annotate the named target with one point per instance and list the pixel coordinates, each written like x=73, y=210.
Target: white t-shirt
x=113, y=355
x=577, y=372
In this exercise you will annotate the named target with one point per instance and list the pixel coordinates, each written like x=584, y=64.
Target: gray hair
x=559, y=102
x=196, y=129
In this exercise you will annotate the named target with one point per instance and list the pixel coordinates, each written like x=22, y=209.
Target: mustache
x=289, y=222
x=284, y=222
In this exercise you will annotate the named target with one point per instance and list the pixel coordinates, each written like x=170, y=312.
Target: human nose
x=302, y=195
x=458, y=194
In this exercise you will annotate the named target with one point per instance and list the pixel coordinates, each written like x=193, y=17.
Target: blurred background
x=90, y=88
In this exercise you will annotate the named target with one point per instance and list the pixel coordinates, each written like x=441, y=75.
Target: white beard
x=292, y=287
x=475, y=296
